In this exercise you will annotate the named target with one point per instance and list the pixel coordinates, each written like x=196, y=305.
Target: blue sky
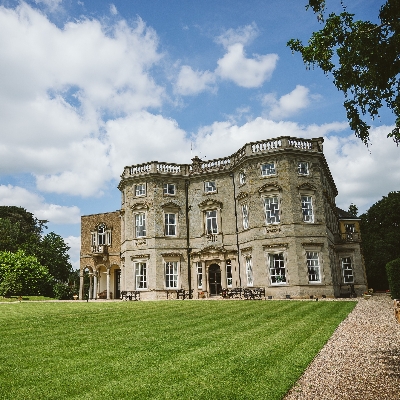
x=87, y=87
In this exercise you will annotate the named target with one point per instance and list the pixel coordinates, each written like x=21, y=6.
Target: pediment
x=210, y=203
x=143, y=205
x=171, y=204
x=242, y=195
x=270, y=187
x=306, y=186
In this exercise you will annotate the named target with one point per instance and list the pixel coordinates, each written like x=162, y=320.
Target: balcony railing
x=100, y=249
x=226, y=163
x=350, y=237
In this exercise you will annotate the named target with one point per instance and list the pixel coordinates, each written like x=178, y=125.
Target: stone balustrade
x=225, y=163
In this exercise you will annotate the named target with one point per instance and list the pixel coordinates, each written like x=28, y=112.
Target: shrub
x=393, y=274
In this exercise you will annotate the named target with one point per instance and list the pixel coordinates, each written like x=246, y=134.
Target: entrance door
x=214, y=279
x=117, y=281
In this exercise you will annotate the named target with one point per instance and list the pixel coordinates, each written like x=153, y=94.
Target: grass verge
x=161, y=350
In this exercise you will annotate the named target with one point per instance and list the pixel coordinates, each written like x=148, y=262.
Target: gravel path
x=361, y=361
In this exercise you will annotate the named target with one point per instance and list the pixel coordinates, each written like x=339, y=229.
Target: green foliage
x=54, y=255
x=353, y=210
x=380, y=234
x=364, y=60
x=393, y=274
x=22, y=275
x=161, y=350
x=20, y=230
x=64, y=291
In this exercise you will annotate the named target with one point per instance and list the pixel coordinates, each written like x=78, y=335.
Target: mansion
x=263, y=217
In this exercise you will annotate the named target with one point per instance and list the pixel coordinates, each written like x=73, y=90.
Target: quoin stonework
x=263, y=217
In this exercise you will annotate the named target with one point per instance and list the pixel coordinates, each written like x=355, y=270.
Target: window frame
x=140, y=190
x=142, y=216
x=242, y=178
x=229, y=274
x=311, y=257
x=268, y=212
x=249, y=271
x=199, y=272
x=348, y=261
x=210, y=187
x=307, y=217
x=207, y=217
x=303, y=168
x=168, y=225
x=245, y=216
x=273, y=267
x=141, y=271
x=268, y=171
x=166, y=188
x=171, y=277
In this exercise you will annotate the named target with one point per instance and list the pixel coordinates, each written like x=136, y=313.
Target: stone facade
x=100, y=255
x=263, y=217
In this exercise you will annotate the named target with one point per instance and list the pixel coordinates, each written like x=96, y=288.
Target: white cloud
x=20, y=197
x=363, y=175
x=51, y=5
x=74, y=242
x=113, y=9
x=191, y=82
x=288, y=104
x=58, y=86
x=243, y=35
x=246, y=72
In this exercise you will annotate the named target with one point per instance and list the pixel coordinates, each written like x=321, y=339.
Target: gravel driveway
x=360, y=361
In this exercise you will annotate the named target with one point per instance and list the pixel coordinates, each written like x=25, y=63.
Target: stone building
x=262, y=217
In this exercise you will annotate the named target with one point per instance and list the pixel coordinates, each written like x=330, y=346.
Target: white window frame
x=169, y=189
x=229, y=276
x=272, y=210
x=303, y=168
x=347, y=270
x=101, y=234
x=268, y=169
x=170, y=224
x=249, y=271
x=245, y=216
x=313, y=267
x=140, y=189
x=277, y=269
x=211, y=222
x=140, y=225
x=171, y=274
x=140, y=269
x=210, y=187
x=199, y=270
x=93, y=238
x=242, y=177
x=307, y=208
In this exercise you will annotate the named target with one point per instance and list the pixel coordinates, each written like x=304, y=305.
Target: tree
x=380, y=234
x=19, y=229
x=353, y=210
x=54, y=255
x=22, y=275
x=364, y=59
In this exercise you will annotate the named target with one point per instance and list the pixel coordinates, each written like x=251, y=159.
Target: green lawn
x=160, y=350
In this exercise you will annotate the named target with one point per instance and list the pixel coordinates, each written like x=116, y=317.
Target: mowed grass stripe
x=161, y=350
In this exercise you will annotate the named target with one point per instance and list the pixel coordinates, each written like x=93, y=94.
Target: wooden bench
x=130, y=295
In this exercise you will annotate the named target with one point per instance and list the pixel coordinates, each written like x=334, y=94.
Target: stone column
x=108, y=283
x=90, y=285
x=95, y=285
x=81, y=285
x=223, y=274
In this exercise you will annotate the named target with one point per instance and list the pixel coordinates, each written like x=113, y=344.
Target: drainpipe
x=188, y=249
x=236, y=222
